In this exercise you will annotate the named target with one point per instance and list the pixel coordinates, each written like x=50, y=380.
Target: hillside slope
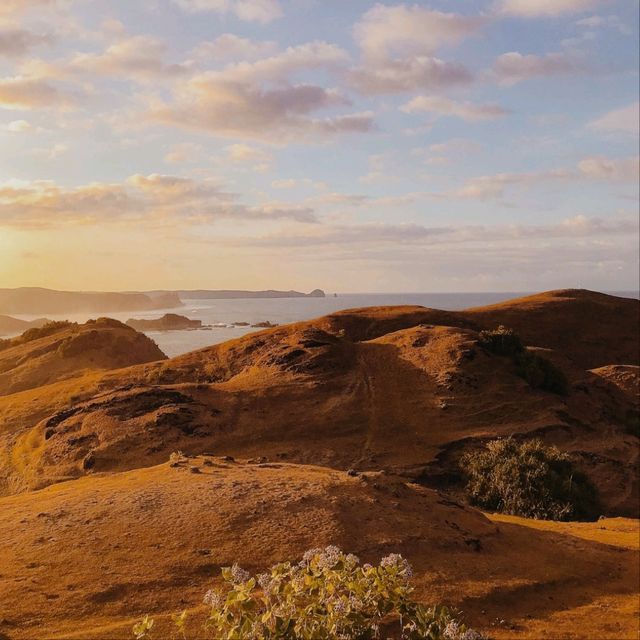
x=63, y=350
x=354, y=389
x=154, y=540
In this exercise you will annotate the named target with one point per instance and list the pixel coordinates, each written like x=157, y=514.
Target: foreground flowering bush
x=328, y=595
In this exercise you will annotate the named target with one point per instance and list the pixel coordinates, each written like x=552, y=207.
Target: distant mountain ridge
x=36, y=300
x=30, y=300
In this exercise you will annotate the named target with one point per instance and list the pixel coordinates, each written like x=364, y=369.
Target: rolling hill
x=269, y=425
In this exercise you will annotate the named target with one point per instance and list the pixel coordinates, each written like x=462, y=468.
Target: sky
x=348, y=145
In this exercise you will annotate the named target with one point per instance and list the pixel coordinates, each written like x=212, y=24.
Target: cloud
x=493, y=186
x=182, y=153
x=421, y=73
x=54, y=152
x=251, y=10
x=153, y=199
x=455, y=146
x=513, y=67
x=251, y=112
x=18, y=42
x=543, y=8
x=229, y=46
x=258, y=100
x=613, y=169
x=317, y=55
x=244, y=154
x=441, y=106
x=10, y=8
x=372, y=234
x=441, y=153
x=387, y=31
x=284, y=184
x=138, y=56
x=22, y=92
x=624, y=120
x=591, y=168
x=398, y=46
x=19, y=126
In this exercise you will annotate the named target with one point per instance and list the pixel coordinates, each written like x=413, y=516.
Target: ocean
x=281, y=311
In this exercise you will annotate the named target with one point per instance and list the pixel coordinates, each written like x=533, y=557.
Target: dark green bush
x=501, y=341
x=528, y=479
x=539, y=372
x=632, y=422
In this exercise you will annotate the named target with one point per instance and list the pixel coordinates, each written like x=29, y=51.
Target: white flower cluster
x=397, y=561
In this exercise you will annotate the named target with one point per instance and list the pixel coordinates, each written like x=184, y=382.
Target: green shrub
x=327, y=595
x=45, y=330
x=501, y=341
x=34, y=333
x=528, y=479
x=632, y=422
x=539, y=372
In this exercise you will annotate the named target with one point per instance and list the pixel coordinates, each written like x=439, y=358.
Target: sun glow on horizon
x=416, y=147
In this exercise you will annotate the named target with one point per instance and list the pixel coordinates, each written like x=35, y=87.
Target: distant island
x=168, y=322
x=30, y=300
x=206, y=294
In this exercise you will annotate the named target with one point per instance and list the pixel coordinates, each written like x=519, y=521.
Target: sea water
x=280, y=311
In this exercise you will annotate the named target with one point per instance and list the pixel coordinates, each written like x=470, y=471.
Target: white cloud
x=229, y=46
x=441, y=106
x=150, y=199
x=493, y=186
x=543, y=8
x=243, y=154
x=624, y=119
x=289, y=183
x=615, y=169
x=56, y=151
x=398, y=46
x=442, y=153
x=139, y=57
x=513, y=67
x=591, y=168
x=182, y=153
x=19, y=126
x=317, y=55
x=385, y=32
x=611, y=22
x=251, y=10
